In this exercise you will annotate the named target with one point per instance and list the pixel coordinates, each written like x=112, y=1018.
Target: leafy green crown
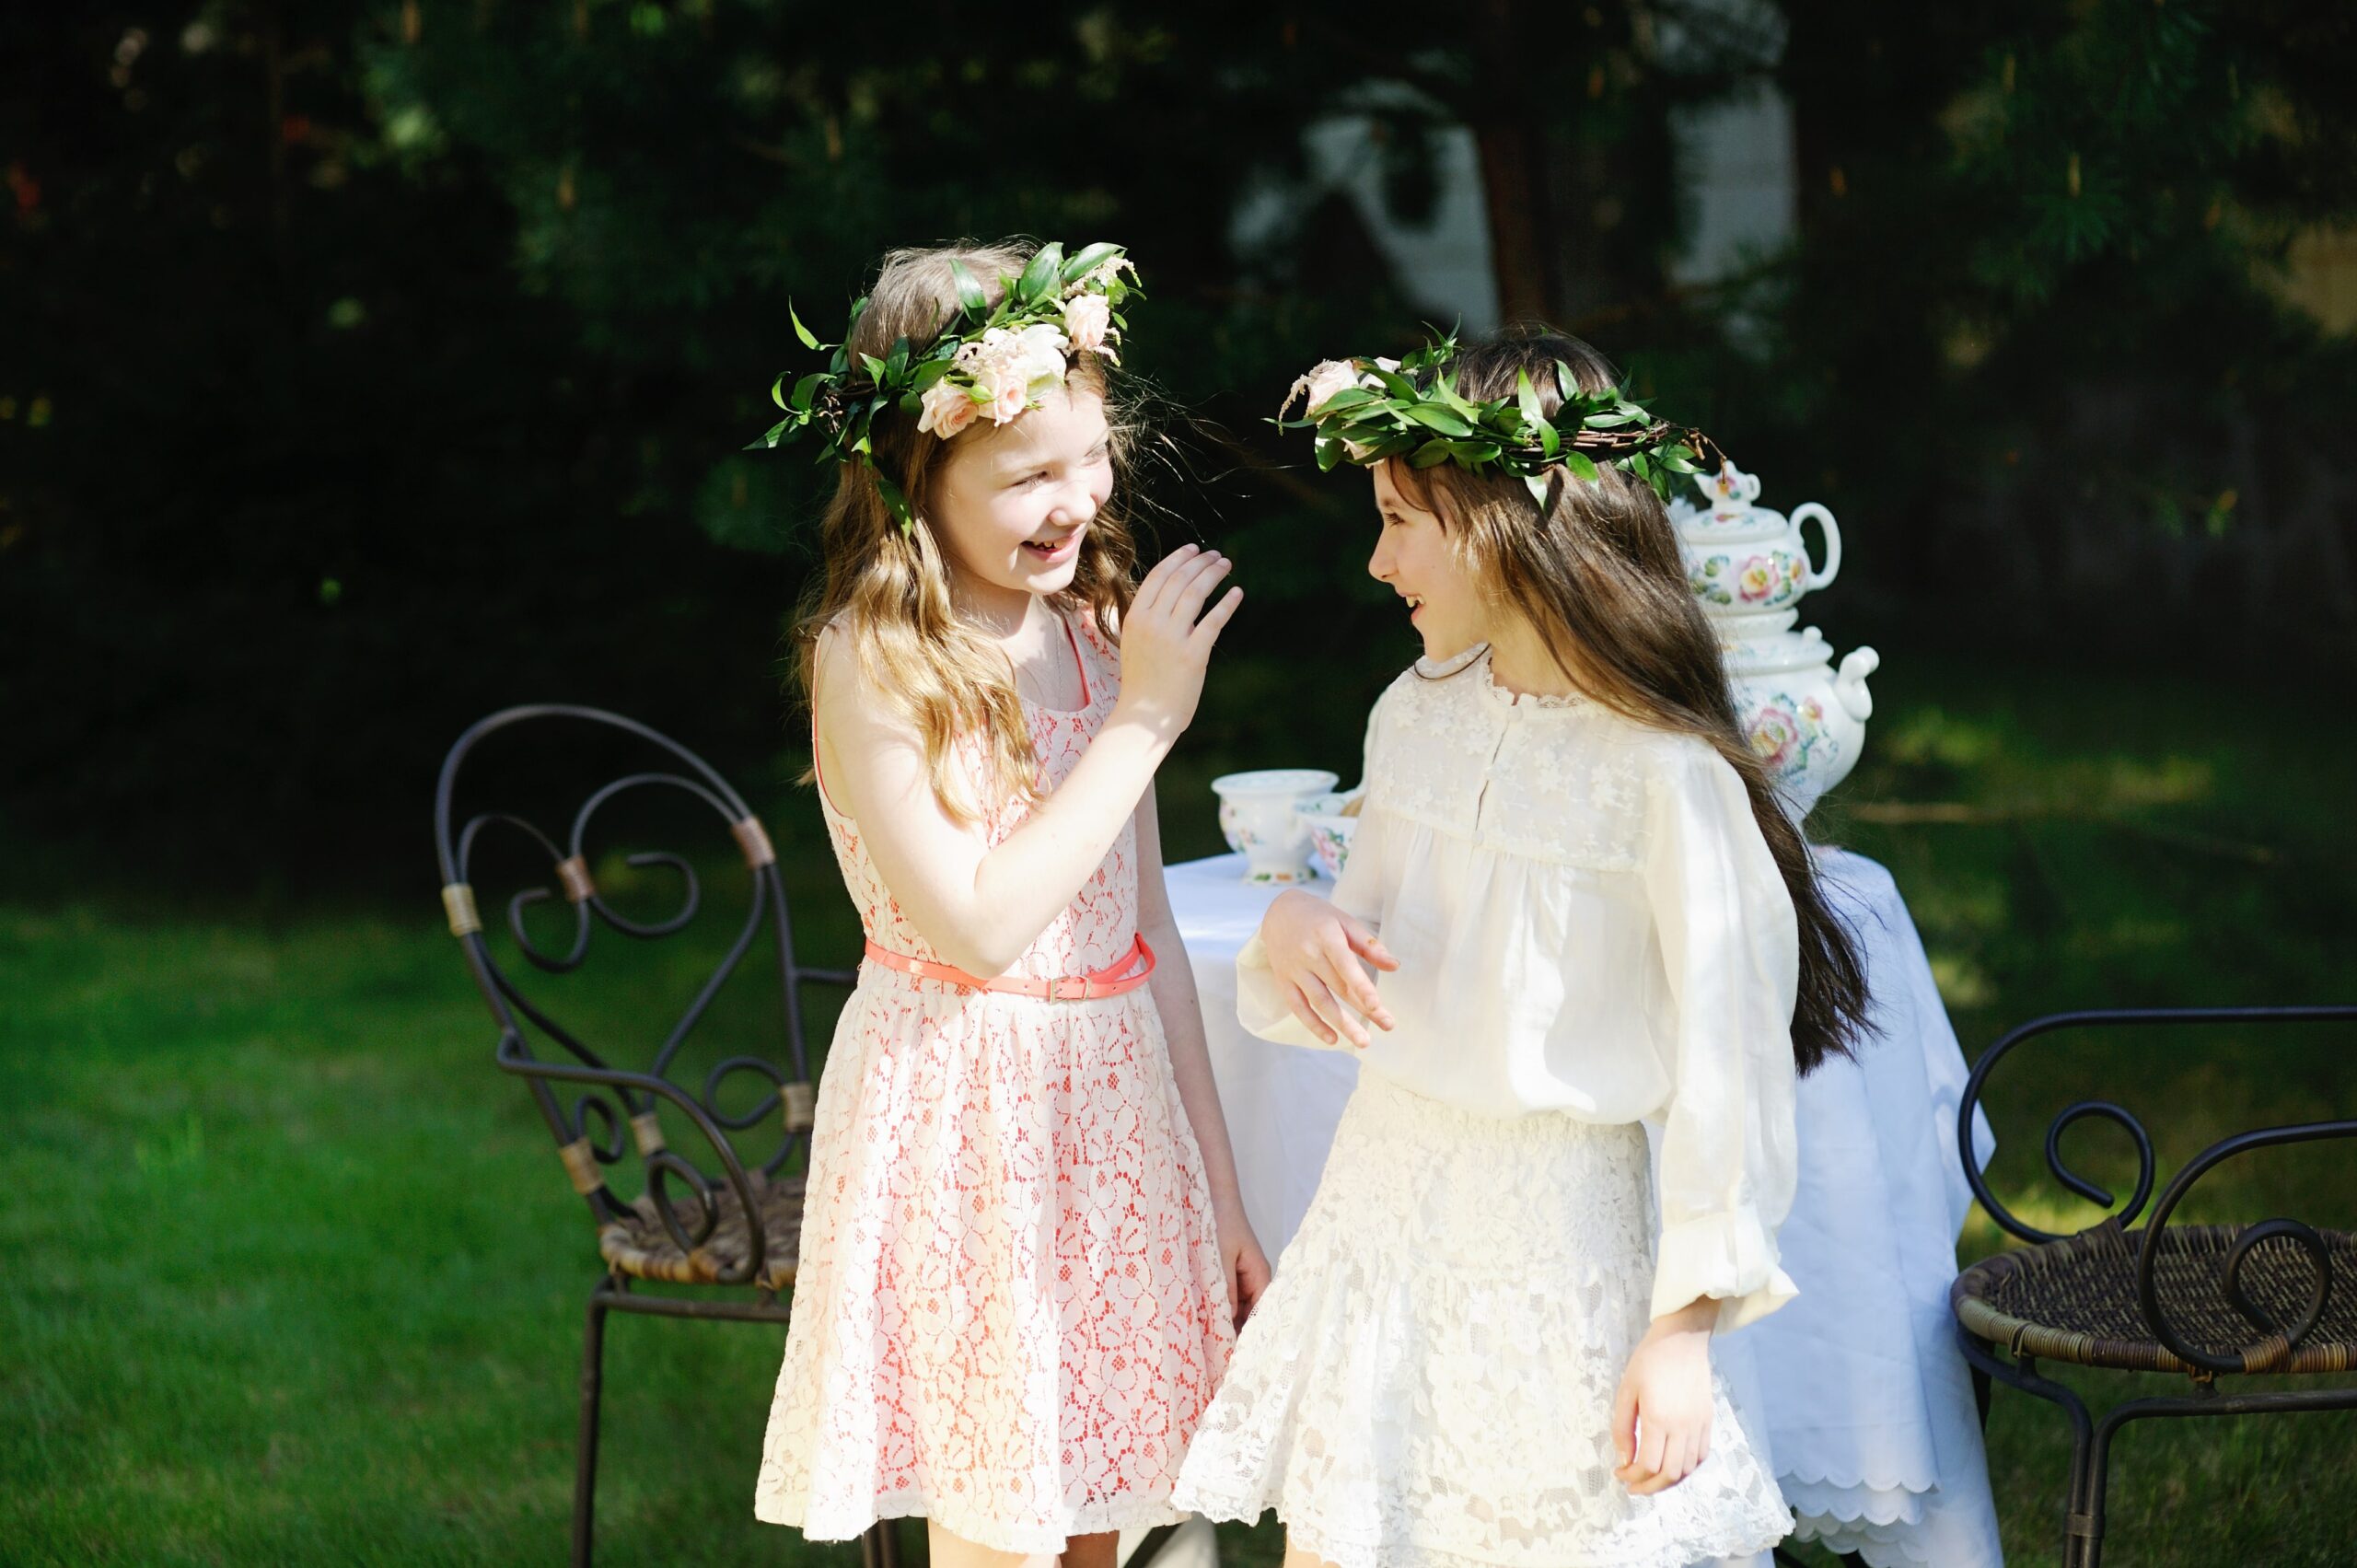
x=988, y=362
x=1365, y=410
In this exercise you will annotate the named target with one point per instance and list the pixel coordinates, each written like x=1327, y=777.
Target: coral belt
x=1126, y=974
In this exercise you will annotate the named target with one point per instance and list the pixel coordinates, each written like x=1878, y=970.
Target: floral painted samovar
x=1749, y=567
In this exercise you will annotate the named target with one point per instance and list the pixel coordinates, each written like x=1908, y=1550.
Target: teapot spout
x=1850, y=685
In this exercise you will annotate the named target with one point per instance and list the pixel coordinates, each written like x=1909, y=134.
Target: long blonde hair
x=890, y=590
x=1599, y=578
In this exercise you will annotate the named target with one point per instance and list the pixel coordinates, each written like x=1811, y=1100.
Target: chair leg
x=1981, y=1390
x=593, y=1378
x=879, y=1546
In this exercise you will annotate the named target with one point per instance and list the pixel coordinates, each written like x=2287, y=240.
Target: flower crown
x=996, y=361
x=1365, y=410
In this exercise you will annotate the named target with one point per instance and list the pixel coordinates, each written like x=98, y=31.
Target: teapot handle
x=1822, y=576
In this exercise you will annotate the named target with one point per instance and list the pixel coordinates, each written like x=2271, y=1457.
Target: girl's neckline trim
x=1486, y=676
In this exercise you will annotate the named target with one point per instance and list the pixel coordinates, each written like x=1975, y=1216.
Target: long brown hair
x=1598, y=575
x=890, y=590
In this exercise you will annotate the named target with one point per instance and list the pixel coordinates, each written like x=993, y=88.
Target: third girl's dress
x=1010, y=1311
x=1591, y=932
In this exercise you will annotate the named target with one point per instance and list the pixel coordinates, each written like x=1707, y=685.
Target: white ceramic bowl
x=1259, y=813
x=1329, y=830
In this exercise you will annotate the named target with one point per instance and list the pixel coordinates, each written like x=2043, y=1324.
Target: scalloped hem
x=1112, y=1515
x=1733, y=1540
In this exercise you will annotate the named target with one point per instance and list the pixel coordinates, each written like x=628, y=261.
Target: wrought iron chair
x=740, y=1229
x=2273, y=1299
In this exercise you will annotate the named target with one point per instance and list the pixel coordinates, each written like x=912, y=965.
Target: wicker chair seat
x=639, y=1244
x=2075, y=1300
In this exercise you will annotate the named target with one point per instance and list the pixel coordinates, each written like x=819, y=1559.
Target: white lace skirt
x=1428, y=1381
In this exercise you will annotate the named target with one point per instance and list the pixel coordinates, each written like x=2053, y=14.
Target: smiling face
x=1414, y=555
x=1010, y=503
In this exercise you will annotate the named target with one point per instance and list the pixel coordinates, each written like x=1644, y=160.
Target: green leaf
x=1527, y=395
x=1349, y=396
x=1330, y=452
x=874, y=368
x=777, y=391
x=1537, y=484
x=970, y=298
x=1446, y=421
x=1679, y=459
x=929, y=372
x=1431, y=456
x=896, y=362
x=1550, y=440
x=770, y=439
x=1089, y=258
x=810, y=339
x=1579, y=466
x=896, y=501
x=1399, y=386
x=1038, y=273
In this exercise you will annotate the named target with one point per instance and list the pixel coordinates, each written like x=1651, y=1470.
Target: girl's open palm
x=1166, y=637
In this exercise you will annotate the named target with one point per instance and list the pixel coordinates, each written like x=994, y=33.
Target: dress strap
x=1110, y=981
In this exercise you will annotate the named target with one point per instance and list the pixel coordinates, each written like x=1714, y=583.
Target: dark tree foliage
x=370, y=366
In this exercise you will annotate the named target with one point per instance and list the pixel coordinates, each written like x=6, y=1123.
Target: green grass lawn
x=288, y=1273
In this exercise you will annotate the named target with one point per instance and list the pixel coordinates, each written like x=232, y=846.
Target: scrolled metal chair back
x=2277, y=1339
x=611, y=1102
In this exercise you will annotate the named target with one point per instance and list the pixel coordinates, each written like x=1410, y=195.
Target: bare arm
x=980, y=907
x=1176, y=999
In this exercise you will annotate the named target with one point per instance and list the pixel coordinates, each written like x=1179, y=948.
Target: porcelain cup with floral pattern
x=1331, y=821
x=1260, y=813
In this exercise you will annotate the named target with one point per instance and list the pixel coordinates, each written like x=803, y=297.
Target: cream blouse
x=1586, y=921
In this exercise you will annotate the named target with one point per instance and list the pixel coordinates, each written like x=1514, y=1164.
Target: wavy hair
x=1598, y=575
x=890, y=590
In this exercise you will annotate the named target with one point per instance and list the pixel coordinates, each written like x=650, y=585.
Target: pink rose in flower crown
x=1088, y=322
x=946, y=410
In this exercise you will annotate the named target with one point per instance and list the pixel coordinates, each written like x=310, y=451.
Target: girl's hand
x=1164, y=647
x=1315, y=951
x=1661, y=1418
x=1248, y=1266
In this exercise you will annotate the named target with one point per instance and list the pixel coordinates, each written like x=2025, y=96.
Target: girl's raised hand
x=1316, y=952
x=1166, y=637
x=1661, y=1417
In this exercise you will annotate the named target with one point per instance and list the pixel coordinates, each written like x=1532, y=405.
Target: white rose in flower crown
x=1043, y=347
x=946, y=410
x=1325, y=378
x=1088, y=322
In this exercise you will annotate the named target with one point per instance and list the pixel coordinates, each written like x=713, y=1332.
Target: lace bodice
x=1587, y=920
x=1094, y=930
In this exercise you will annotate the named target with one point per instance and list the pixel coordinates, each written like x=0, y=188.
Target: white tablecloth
x=1856, y=1389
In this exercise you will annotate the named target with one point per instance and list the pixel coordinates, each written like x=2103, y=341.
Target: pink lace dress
x=1010, y=1313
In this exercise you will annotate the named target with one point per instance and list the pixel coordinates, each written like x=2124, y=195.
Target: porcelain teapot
x=1806, y=718
x=1746, y=559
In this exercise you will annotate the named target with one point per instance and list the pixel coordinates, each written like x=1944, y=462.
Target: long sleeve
x=1731, y=947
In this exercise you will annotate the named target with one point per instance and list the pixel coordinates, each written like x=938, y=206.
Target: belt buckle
x=1054, y=980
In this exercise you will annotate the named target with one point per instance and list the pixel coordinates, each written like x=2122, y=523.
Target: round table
x=1856, y=1390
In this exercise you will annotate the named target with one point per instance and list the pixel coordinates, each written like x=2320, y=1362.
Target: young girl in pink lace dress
x=1023, y=1256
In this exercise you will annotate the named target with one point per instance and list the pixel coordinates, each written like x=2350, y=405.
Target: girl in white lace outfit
x=1488, y=1344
